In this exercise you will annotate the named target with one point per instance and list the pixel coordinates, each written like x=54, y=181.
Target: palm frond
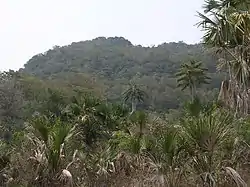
x=236, y=177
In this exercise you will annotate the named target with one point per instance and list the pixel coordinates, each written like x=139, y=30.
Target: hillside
x=113, y=62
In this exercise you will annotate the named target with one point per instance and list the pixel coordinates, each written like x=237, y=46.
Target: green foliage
x=197, y=106
x=54, y=137
x=192, y=75
x=12, y=100
x=209, y=130
x=104, y=66
x=244, y=130
x=106, y=142
x=134, y=94
x=207, y=135
x=227, y=29
x=78, y=134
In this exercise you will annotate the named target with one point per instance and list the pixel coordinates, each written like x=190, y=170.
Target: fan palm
x=48, y=144
x=132, y=139
x=227, y=26
x=167, y=157
x=206, y=136
x=134, y=94
x=84, y=112
x=53, y=136
x=191, y=75
x=96, y=120
x=226, y=23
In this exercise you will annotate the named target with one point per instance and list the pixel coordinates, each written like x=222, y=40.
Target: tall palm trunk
x=133, y=106
x=192, y=91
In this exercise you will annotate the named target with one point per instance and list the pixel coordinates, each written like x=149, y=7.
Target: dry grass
x=22, y=172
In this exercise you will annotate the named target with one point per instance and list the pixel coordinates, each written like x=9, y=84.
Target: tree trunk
x=133, y=106
x=192, y=91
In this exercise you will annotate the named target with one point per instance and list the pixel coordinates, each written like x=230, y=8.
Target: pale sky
x=29, y=27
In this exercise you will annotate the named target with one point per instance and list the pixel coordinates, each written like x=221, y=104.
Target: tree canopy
x=64, y=119
x=113, y=62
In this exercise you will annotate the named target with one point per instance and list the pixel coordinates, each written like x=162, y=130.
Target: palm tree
x=48, y=144
x=167, y=157
x=191, y=75
x=85, y=111
x=206, y=138
x=134, y=94
x=227, y=27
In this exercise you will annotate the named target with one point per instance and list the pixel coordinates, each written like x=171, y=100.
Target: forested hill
x=113, y=62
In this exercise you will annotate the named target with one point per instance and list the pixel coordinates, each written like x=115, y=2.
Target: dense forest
x=113, y=62
x=107, y=113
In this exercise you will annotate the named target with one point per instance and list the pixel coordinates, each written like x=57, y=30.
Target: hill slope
x=113, y=62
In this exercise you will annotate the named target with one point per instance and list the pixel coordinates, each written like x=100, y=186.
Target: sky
x=29, y=27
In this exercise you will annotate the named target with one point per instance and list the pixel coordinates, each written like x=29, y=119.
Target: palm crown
x=134, y=94
x=191, y=75
x=227, y=26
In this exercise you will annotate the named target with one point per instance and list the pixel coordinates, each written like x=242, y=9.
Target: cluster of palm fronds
x=227, y=28
x=92, y=143
x=96, y=144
